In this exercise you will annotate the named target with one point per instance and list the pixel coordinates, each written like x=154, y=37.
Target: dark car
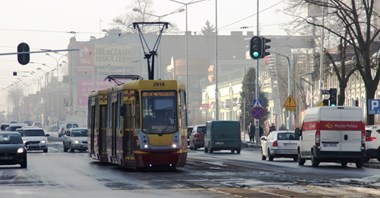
x=197, y=137
x=12, y=149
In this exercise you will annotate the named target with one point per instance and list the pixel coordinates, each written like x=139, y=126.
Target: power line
x=238, y=21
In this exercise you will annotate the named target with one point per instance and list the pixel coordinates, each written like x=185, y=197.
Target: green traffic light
x=255, y=54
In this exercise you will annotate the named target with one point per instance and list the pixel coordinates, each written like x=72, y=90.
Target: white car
x=372, y=142
x=279, y=144
x=75, y=139
x=35, y=138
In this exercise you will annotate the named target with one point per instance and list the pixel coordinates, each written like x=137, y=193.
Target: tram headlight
x=146, y=146
x=174, y=145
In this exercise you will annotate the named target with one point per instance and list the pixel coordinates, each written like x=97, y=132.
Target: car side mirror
x=47, y=135
x=263, y=138
x=298, y=132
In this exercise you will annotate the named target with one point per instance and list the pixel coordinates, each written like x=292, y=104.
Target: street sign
x=374, y=106
x=257, y=112
x=257, y=103
x=290, y=104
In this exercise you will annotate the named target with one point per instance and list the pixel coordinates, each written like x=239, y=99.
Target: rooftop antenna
x=150, y=53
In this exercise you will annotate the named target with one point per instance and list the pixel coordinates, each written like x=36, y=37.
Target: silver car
x=279, y=144
x=75, y=139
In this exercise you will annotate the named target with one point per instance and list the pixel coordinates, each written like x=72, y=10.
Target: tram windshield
x=159, y=111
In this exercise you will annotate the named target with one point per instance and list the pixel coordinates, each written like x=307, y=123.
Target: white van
x=332, y=134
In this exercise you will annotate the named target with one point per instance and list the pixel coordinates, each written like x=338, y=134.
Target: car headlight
x=76, y=142
x=20, y=150
x=24, y=141
x=43, y=142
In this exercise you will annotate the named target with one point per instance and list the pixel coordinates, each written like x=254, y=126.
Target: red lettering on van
x=333, y=125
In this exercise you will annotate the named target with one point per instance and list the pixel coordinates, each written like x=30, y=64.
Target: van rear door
x=340, y=129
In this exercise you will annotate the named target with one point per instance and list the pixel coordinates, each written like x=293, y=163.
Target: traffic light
x=266, y=46
x=24, y=57
x=256, y=47
x=332, y=97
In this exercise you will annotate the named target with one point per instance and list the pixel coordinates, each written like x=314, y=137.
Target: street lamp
x=187, y=46
x=57, y=60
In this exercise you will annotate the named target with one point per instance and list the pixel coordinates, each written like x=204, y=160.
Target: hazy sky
x=45, y=24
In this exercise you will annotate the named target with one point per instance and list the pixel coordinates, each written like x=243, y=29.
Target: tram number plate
x=158, y=84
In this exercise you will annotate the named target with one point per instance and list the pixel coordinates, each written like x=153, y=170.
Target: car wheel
x=24, y=163
x=64, y=148
x=301, y=161
x=232, y=151
x=270, y=157
x=314, y=160
x=359, y=164
x=344, y=164
x=71, y=149
x=238, y=151
x=211, y=150
x=295, y=159
x=45, y=150
x=366, y=159
x=206, y=150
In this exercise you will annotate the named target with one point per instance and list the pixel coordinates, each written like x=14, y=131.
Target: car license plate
x=6, y=157
x=34, y=145
x=289, y=144
x=329, y=144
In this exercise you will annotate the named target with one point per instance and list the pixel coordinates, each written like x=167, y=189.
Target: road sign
x=257, y=112
x=257, y=103
x=290, y=104
x=374, y=106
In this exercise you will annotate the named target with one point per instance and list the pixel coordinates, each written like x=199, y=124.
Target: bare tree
x=359, y=32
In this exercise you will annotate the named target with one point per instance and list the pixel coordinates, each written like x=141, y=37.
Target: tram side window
x=103, y=116
x=137, y=110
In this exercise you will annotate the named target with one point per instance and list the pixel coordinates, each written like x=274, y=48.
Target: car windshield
x=287, y=136
x=69, y=126
x=10, y=139
x=79, y=133
x=36, y=132
x=201, y=129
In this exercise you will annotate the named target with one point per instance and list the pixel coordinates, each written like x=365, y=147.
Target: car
x=35, y=138
x=14, y=126
x=75, y=139
x=4, y=126
x=189, y=130
x=197, y=137
x=279, y=144
x=66, y=127
x=12, y=149
x=372, y=142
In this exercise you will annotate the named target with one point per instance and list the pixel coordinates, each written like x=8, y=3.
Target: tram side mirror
x=122, y=110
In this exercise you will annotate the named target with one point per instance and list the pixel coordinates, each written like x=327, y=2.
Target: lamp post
x=56, y=60
x=159, y=19
x=187, y=46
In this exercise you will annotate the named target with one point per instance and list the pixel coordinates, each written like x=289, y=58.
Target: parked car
x=65, y=127
x=75, y=139
x=279, y=144
x=12, y=149
x=372, y=142
x=35, y=139
x=223, y=135
x=197, y=137
x=189, y=130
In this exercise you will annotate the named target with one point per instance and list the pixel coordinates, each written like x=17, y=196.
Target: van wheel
x=206, y=150
x=378, y=154
x=232, y=151
x=238, y=151
x=270, y=157
x=295, y=159
x=301, y=161
x=359, y=164
x=344, y=164
x=314, y=160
